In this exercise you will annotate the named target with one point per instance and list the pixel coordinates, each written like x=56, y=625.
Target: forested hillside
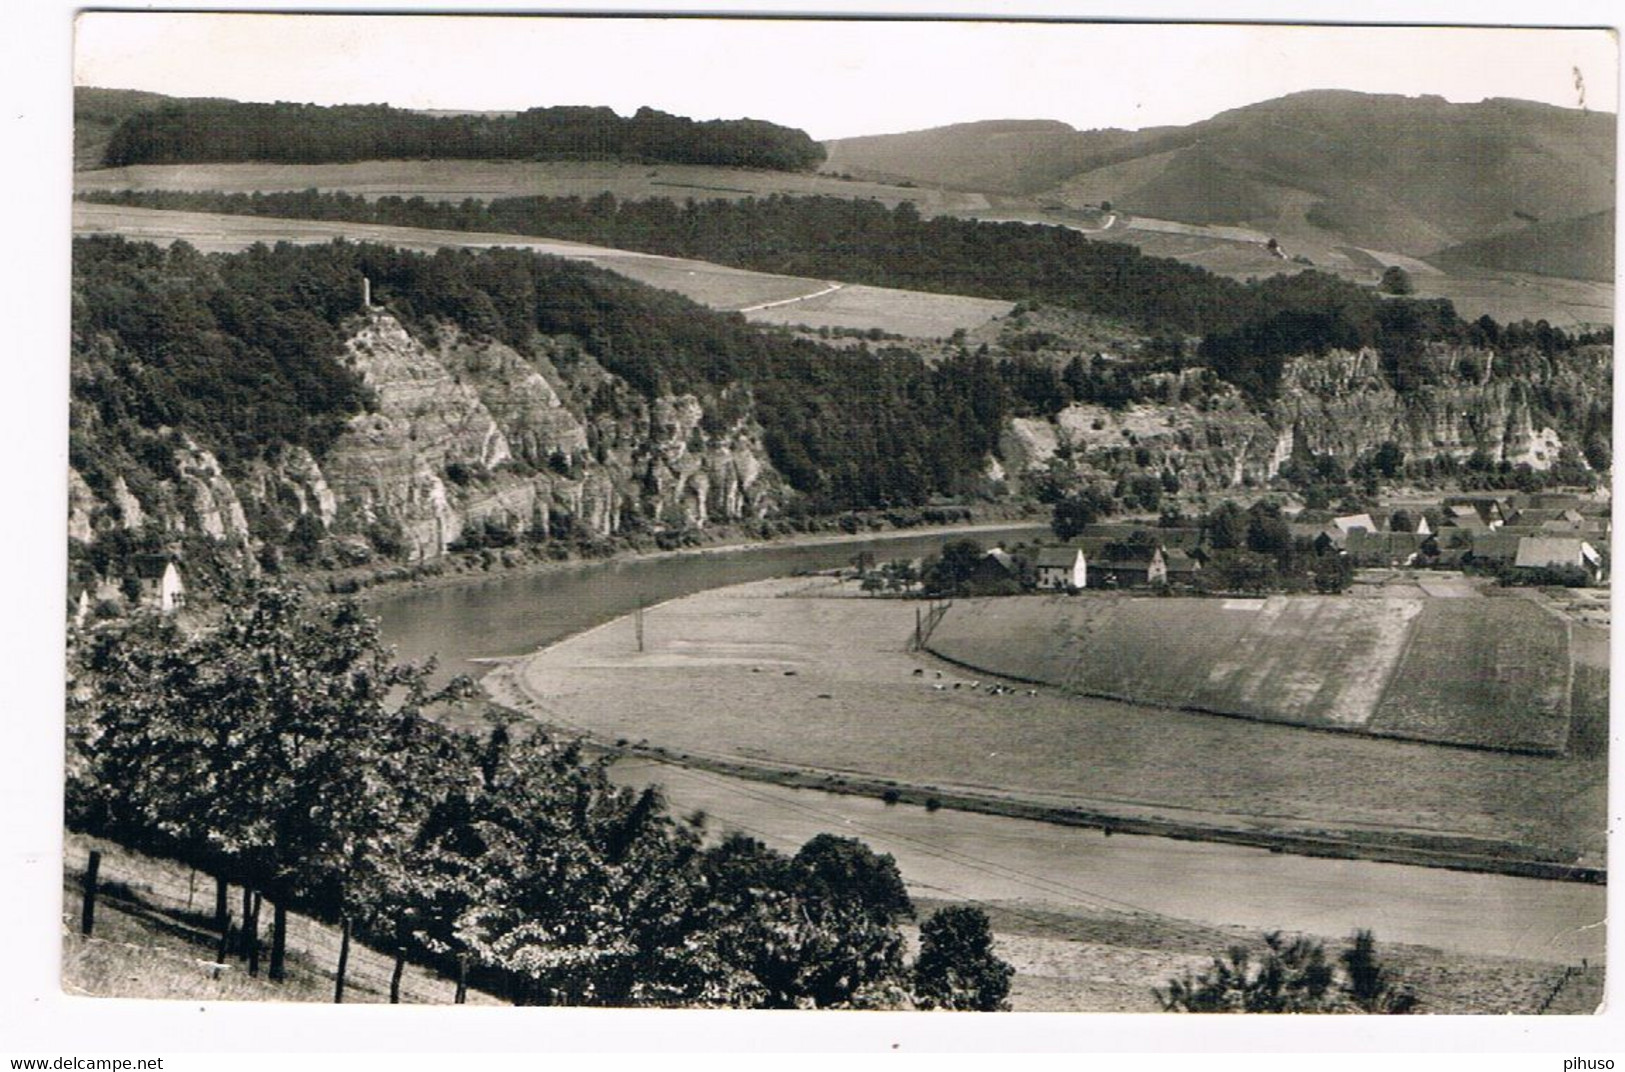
x=209, y=131
x=248, y=405
x=1248, y=330
x=1410, y=174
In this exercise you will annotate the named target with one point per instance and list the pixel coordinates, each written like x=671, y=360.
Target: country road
x=831, y=289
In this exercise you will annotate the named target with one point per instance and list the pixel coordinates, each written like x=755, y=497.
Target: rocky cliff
x=466, y=437
x=1340, y=404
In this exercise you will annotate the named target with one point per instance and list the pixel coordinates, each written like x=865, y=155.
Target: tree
x=950, y=571
x=267, y=751
x=1397, y=281
x=1291, y=976
x=818, y=930
x=1598, y=454
x=1370, y=986
x=1389, y=459
x=1267, y=530
x=957, y=968
x=1226, y=527
x=1072, y=514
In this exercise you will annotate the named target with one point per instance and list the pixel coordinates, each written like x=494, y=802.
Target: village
x=1549, y=539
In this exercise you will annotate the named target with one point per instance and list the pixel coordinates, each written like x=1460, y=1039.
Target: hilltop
x=151, y=129
x=1413, y=175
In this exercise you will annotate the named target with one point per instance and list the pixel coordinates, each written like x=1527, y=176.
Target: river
x=962, y=856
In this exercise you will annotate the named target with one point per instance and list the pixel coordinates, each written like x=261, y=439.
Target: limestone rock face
x=207, y=500
x=1340, y=404
x=81, y=507
x=467, y=435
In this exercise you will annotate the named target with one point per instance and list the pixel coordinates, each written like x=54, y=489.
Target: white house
x=1062, y=567
x=160, y=582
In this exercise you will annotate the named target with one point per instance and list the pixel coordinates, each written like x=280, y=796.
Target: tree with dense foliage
x=1225, y=529
x=1370, y=986
x=949, y=571
x=1293, y=975
x=1396, y=280
x=1077, y=511
x=957, y=968
x=220, y=131
x=283, y=752
x=263, y=750
x=817, y=930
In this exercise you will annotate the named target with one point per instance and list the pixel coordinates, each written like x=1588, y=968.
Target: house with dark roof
x=995, y=573
x=159, y=582
x=1061, y=568
x=1559, y=552
x=1128, y=566
x=1182, y=566
x=1498, y=548
x=1387, y=548
x=1490, y=511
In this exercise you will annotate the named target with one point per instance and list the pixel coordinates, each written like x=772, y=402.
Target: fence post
x=253, y=928
x=87, y=911
x=344, y=962
x=395, y=978
x=222, y=905
x=279, y=942
x=248, y=917
x=225, y=945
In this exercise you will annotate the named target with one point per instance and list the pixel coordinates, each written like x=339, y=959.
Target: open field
x=1232, y=656
x=1482, y=672
x=1109, y=961
x=828, y=686
x=915, y=314
x=1505, y=296
x=900, y=312
x=455, y=180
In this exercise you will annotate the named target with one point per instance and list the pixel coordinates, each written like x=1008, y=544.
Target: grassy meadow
x=772, y=674
x=899, y=312
x=456, y=180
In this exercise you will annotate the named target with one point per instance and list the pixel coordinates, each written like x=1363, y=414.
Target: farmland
x=1233, y=656
x=1483, y=673
x=828, y=686
x=895, y=311
x=455, y=180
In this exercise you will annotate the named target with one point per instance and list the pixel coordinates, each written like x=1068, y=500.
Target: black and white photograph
x=853, y=512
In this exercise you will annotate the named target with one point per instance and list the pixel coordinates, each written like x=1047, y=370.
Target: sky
x=831, y=78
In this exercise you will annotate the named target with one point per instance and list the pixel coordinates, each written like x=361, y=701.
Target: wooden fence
x=186, y=898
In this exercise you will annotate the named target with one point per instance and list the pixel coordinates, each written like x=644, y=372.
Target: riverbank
x=747, y=684
x=378, y=582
